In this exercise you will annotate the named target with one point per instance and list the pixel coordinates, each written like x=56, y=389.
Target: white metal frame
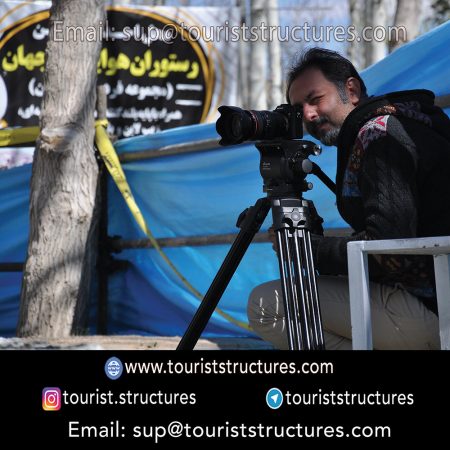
x=358, y=275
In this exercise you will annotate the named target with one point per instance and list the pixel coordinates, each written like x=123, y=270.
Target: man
x=393, y=181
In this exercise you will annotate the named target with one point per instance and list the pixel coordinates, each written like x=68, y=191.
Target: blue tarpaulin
x=192, y=195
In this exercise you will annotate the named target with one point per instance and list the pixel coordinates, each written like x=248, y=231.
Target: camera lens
x=236, y=125
x=269, y=125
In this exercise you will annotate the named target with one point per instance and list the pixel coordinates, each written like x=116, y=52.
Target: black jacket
x=393, y=181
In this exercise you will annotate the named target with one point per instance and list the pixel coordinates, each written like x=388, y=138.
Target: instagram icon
x=51, y=399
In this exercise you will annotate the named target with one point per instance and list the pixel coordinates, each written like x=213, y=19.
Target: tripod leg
x=249, y=224
x=304, y=298
x=312, y=316
x=292, y=219
x=317, y=316
x=301, y=299
x=293, y=326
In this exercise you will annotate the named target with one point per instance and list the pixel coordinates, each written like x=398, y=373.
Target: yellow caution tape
x=22, y=135
x=15, y=136
x=112, y=163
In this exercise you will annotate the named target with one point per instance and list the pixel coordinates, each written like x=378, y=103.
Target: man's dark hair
x=334, y=67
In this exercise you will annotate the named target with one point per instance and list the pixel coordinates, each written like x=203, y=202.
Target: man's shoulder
x=381, y=115
x=372, y=130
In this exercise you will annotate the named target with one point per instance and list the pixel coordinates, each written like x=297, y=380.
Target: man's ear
x=353, y=88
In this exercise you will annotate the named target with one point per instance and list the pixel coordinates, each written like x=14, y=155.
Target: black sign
x=157, y=76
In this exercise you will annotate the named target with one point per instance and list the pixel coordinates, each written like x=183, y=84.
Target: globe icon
x=113, y=368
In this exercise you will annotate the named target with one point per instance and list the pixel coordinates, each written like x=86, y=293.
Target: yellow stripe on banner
x=112, y=163
x=15, y=136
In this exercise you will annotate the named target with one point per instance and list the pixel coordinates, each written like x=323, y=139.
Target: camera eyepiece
x=236, y=125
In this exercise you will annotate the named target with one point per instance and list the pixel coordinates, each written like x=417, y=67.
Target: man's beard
x=327, y=137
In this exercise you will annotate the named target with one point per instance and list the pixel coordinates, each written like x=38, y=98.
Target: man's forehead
x=307, y=83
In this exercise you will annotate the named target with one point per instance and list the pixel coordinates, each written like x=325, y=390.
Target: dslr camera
x=284, y=156
x=236, y=125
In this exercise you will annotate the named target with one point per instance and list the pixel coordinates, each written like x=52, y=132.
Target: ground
x=129, y=343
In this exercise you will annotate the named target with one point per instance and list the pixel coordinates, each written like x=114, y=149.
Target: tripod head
x=284, y=166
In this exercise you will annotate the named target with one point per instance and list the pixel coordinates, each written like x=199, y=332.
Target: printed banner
x=159, y=69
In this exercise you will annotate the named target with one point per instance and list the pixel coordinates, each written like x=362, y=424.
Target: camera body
x=236, y=125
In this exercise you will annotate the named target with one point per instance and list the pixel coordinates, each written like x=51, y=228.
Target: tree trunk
x=258, y=56
x=63, y=223
x=356, y=50
x=275, y=78
x=408, y=15
x=243, y=68
x=378, y=19
x=368, y=13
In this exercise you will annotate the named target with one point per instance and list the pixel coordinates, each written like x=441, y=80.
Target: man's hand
x=316, y=220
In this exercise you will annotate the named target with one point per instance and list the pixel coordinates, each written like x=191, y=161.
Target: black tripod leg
x=315, y=305
x=311, y=319
x=250, y=224
x=292, y=219
x=293, y=327
x=300, y=275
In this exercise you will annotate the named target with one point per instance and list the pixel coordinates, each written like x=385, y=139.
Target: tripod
x=284, y=166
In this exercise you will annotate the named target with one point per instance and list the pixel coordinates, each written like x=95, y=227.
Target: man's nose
x=309, y=113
